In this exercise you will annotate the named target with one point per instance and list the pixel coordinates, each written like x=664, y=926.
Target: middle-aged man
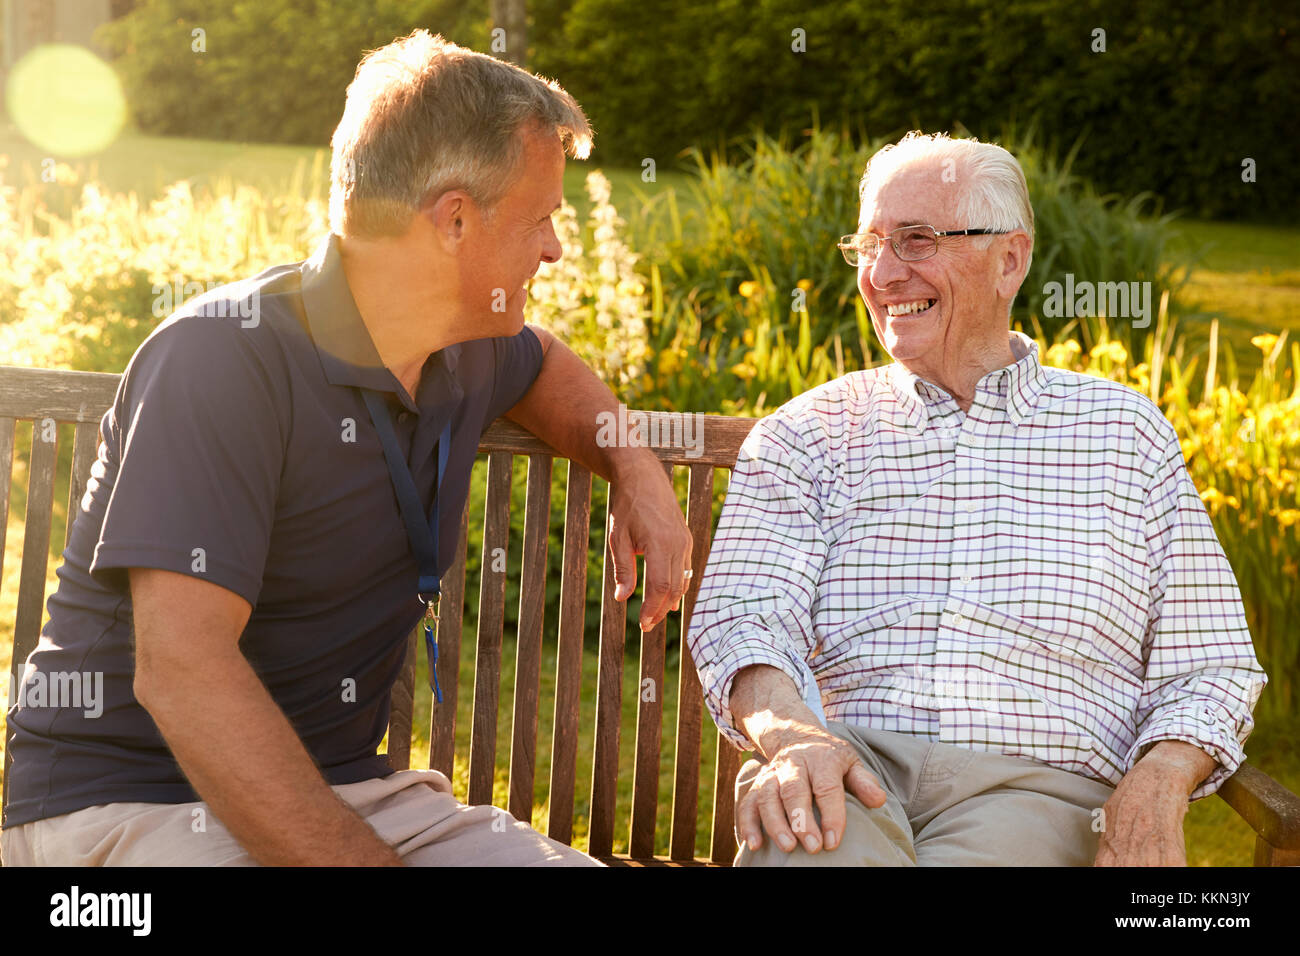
x=996, y=579
x=241, y=579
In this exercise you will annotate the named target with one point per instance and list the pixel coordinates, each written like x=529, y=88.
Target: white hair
x=994, y=194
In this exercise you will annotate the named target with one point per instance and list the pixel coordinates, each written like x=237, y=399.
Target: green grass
x=147, y=164
x=1248, y=278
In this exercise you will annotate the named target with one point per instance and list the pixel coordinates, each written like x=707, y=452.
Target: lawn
x=147, y=164
x=1249, y=278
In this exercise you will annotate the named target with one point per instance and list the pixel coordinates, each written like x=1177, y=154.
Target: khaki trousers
x=411, y=810
x=948, y=806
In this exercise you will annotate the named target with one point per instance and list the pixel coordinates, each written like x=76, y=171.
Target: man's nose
x=887, y=268
x=551, y=248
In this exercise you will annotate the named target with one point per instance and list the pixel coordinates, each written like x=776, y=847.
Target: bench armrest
x=1272, y=810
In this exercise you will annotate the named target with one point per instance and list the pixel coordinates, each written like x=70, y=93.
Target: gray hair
x=995, y=195
x=424, y=116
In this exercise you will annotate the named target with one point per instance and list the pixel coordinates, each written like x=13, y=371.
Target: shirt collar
x=1018, y=385
x=347, y=352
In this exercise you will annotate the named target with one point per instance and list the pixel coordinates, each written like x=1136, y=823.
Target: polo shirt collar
x=347, y=352
x=1022, y=383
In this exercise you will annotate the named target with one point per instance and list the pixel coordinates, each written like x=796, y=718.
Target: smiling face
x=505, y=247
x=931, y=314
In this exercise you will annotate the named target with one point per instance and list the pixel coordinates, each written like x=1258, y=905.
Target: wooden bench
x=44, y=396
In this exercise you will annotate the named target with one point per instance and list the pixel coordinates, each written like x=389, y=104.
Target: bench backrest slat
x=7, y=431
x=36, y=545
x=451, y=615
x=528, y=648
x=85, y=449
x=568, y=655
x=722, y=846
x=609, y=706
x=649, y=735
x=690, y=698
x=491, y=625
x=402, y=708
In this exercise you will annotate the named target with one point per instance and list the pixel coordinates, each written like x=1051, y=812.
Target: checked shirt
x=1035, y=577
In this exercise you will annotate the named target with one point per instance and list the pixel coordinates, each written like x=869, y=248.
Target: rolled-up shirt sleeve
x=195, y=451
x=756, y=599
x=1202, y=677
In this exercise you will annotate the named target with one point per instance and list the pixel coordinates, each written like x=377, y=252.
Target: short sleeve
x=518, y=360
x=198, y=443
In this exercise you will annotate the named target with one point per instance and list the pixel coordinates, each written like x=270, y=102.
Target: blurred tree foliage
x=272, y=71
x=1173, y=105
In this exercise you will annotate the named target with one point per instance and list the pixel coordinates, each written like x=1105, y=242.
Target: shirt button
x=403, y=417
x=965, y=579
x=968, y=507
x=956, y=618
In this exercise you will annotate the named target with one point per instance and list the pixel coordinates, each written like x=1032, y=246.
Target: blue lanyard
x=423, y=536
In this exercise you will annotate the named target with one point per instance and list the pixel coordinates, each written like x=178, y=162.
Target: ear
x=448, y=214
x=1013, y=263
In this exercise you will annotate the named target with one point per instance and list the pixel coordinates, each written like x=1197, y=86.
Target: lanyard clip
x=432, y=607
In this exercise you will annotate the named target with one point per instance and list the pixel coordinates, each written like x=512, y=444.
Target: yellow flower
x=1059, y=356
x=805, y=284
x=1213, y=499
x=749, y=289
x=1264, y=342
x=1287, y=517
x=1111, y=350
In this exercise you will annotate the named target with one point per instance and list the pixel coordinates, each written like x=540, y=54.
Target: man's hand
x=1143, y=819
x=813, y=765
x=563, y=408
x=646, y=519
x=805, y=762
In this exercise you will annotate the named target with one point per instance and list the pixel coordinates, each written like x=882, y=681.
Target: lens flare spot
x=66, y=100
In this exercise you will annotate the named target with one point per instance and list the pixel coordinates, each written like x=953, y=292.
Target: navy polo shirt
x=240, y=451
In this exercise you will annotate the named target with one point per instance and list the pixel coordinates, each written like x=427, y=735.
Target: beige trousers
x=411, y=810
x=948, y=806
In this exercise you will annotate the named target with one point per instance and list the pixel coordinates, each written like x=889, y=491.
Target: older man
x=280, y=485
x=996, y=579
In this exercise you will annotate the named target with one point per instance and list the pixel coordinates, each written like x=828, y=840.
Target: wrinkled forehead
x=922, y=191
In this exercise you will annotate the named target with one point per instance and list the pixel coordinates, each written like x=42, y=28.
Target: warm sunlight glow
x=66, y=100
